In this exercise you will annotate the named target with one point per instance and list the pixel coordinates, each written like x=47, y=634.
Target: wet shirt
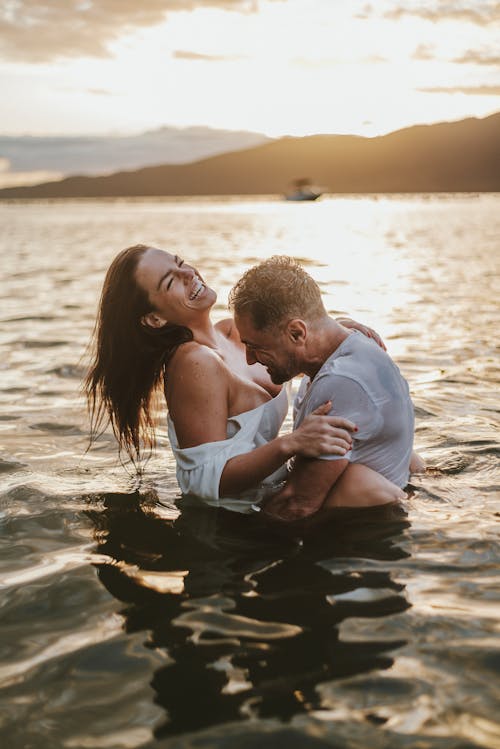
x=365, y=386
x=199, y=469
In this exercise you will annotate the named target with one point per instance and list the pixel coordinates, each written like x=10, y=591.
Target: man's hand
x=286, y=507
x=368, y=332
x=288, y=511
x=306, y=489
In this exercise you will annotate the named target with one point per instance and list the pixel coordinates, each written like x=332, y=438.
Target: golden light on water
x=358, y=265
x=226, y=621
x=349, y=245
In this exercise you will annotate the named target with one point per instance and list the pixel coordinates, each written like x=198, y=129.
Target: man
x=281, y=319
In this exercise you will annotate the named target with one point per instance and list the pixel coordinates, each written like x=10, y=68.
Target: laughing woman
x=154, y=332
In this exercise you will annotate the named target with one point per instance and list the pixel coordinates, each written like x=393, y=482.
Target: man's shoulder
x=347, y=372
x=350, y=358
x=345, y=356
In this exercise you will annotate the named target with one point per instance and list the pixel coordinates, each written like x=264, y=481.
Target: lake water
x=127, y=624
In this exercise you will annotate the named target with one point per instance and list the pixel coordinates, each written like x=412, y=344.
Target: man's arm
x=318, y=434
x=311, y=480
x=306, y=489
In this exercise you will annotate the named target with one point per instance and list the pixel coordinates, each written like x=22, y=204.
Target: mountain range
x=458, y=156
x=24, y=158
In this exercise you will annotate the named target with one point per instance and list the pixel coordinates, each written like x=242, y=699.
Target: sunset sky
x=273, y=66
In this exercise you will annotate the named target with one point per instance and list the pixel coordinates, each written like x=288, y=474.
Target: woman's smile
x=197, y=289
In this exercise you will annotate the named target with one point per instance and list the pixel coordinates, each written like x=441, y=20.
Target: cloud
x=480, y=12
x=424, y=52
x=34, y=31
x=469, y=90
x=472, y=57
x=184, y=54
x=365, y=12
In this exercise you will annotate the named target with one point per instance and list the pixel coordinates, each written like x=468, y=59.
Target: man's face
x=272, y=348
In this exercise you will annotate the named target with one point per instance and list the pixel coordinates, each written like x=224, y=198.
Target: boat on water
x=303, y=195
x=303, y=189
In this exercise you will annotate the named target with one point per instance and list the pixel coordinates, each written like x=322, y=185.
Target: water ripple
x=130, y=619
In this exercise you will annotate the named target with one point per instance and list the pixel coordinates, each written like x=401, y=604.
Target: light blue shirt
x=366, y=387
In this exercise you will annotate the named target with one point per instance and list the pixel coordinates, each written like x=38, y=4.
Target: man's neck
x=324, y=338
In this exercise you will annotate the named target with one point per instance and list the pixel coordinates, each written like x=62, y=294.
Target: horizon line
x=192, y=126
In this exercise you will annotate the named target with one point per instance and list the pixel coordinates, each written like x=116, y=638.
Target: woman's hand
x=320, y=434
x=368, y=332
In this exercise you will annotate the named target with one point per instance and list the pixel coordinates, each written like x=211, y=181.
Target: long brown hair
x=129, y=358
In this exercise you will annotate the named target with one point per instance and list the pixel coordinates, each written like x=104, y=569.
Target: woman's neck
x=206, y=334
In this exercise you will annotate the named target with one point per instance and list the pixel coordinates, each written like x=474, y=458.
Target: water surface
x=127, y=624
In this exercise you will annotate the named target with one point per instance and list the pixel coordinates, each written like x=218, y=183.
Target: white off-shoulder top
x=199, y=468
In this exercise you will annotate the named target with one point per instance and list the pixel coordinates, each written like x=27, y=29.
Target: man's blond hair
x=275, y=291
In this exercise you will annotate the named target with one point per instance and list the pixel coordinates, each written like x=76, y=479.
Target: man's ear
x=152, y=320
x=296, y=330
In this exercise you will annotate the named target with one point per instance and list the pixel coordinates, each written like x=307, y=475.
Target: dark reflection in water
x=243, y=616
x=245, y=612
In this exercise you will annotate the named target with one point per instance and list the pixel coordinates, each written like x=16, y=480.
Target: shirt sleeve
x=199, y=468
x=349, y=400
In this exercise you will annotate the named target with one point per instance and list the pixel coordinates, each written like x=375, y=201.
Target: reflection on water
x=127, y=624
x=245, y=613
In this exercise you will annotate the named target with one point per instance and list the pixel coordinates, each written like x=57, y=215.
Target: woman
x=154, y=330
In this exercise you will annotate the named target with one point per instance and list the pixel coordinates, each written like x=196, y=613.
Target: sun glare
x=291, y=67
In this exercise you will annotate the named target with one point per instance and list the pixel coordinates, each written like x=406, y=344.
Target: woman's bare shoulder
x=228, y=328
x=193, y=354
x=196, y=379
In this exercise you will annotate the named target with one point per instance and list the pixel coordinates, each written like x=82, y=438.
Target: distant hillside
x=447, y=157
x=25, y=157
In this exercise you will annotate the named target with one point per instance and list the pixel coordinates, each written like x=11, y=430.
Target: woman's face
x=175, y=289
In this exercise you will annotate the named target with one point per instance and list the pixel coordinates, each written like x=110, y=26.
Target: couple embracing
x=226, y=388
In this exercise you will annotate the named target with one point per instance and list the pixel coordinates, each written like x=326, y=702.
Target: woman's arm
x=367, y=331
x=417, y=463
x=198, y=401
x=318, y=434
